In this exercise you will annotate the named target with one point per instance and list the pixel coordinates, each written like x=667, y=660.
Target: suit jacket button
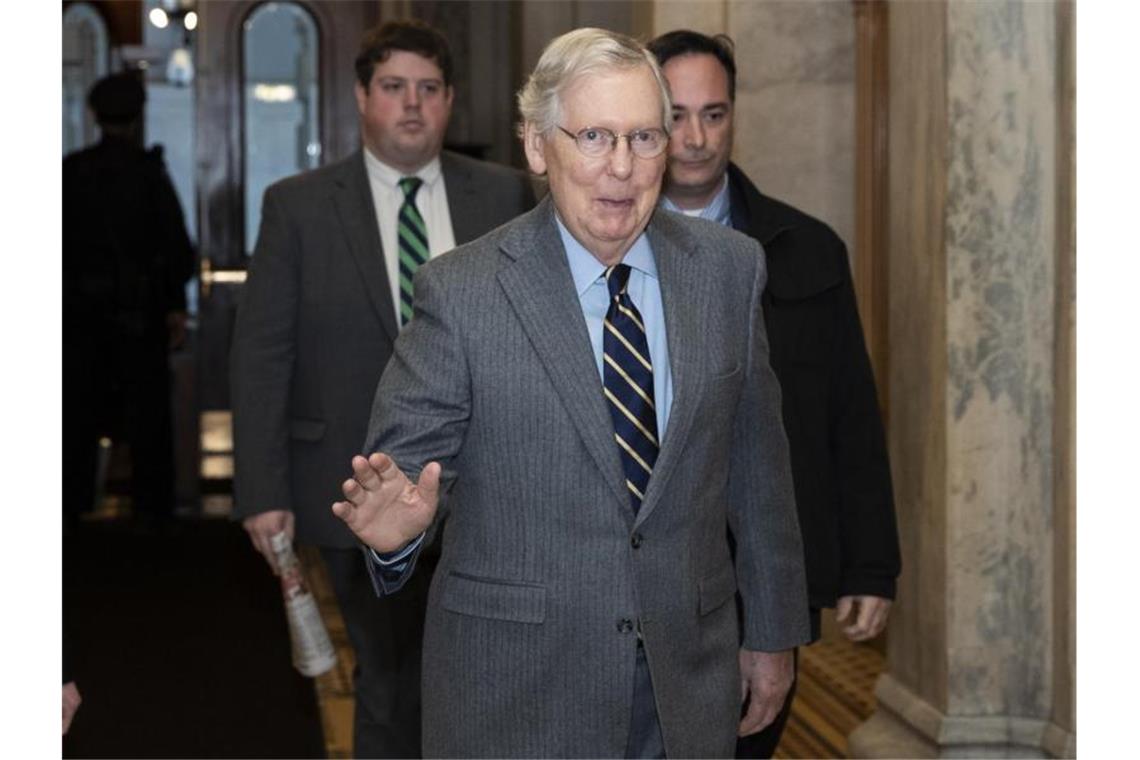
x=625, y=625
x=635, y=540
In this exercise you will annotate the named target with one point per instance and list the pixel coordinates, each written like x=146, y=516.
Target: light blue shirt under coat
x=645, y=291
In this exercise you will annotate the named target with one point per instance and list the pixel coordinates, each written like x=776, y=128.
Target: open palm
x=383, y=507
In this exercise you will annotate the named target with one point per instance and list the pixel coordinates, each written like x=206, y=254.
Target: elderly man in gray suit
x=329, y=288
x=583, y=404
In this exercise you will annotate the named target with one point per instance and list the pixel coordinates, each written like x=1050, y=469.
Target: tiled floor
x=835, y=694
x=334, y=689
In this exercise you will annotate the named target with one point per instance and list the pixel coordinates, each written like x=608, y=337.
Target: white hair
x=573, y=55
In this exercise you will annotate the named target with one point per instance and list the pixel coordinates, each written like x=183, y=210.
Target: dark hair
x=687, y=42
x=413, y=36
x=118, y=98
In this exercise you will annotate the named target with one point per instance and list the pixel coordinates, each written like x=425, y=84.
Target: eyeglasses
x=596, y=142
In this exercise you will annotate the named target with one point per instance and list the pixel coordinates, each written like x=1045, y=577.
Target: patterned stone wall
x=979, y=651
x=1000, y=255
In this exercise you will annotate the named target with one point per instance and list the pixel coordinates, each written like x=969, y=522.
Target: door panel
x=221, y=160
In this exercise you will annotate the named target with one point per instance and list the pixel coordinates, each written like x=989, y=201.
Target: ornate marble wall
x=977, y=656
x=1000, y=256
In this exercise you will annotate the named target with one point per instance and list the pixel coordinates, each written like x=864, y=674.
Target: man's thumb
x=428, y=483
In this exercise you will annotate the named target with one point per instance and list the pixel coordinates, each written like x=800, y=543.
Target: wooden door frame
x=220, y=121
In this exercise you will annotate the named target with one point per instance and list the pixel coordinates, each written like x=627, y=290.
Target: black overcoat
x=831, y=414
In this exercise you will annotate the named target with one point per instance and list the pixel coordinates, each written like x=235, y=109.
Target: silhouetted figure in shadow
x=126, y=260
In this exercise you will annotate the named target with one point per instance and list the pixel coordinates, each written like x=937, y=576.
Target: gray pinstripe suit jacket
x=527, y=648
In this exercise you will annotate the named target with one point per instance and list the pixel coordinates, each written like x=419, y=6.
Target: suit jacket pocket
x=495, y=599
x=717, y=589
x=306, y=430
x=720, y=394
x=727, y=375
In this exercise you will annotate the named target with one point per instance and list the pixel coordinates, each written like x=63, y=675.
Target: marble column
x=977, y=262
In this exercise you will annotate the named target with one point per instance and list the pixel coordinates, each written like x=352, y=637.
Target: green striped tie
x=413, y=249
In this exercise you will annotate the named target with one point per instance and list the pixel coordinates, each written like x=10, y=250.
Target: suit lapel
x=540, y=288
x=684, y=295
x=352, y=198
x=462, y=200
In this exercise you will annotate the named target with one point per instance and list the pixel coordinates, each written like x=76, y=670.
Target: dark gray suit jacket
x=315, y=328
x=545, y=575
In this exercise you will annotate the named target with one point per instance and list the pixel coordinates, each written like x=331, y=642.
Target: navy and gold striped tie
x=627, y=381
x=413, y=248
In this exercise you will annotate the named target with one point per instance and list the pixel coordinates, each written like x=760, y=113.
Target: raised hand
x=382, y=507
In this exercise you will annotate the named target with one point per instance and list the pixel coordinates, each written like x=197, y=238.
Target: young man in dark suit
x=831, y=415
x=332, y=277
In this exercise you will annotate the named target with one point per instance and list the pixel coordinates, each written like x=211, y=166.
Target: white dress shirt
x=431, y=202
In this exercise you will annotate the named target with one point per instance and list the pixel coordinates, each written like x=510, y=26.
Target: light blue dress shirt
x=717, y=211
x=645, y=291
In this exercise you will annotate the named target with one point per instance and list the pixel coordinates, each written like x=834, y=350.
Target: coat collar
x=352, y=198
x=462, y=194
x=538, y=283
x=686, y=295
x=797, y=247
x=754, y=213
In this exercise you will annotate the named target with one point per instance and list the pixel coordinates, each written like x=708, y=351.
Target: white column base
x=905, y=725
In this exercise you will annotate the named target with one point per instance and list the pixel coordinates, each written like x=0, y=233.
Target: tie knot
x=410, y=185
x=617, y=279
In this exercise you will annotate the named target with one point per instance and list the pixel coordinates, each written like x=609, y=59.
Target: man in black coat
x=831, y=415
x=329, y=289
x=126, y=260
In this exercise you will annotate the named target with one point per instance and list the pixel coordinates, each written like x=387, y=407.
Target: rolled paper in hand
x=313, y=652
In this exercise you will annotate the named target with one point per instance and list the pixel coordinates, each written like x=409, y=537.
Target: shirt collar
x=717, y=210
x=586, y=269
x=389, y=176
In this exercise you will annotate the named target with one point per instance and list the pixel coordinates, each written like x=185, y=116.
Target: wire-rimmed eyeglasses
x=596, y=142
